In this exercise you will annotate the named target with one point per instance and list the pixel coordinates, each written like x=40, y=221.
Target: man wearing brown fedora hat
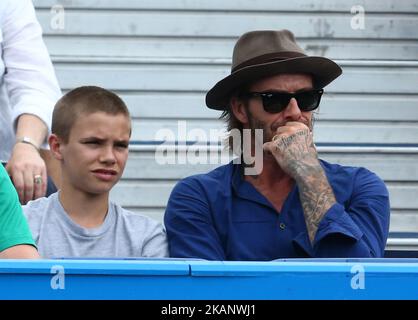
x=296, y=205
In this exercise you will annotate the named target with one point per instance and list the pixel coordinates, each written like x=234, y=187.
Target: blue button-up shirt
x=220, y=216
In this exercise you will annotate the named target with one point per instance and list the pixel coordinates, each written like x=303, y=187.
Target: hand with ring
x=28, y=172
x=37, y=179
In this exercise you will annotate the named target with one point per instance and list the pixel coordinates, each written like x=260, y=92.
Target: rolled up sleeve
x=30, y=78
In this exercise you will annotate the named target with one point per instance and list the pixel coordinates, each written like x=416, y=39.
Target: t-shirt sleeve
x=14, y=229
x=155, y=244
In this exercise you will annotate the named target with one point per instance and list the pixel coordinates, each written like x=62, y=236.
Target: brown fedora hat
x=260, y=54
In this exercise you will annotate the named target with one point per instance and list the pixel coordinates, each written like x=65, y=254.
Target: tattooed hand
x=293, y=149
x=295, y=152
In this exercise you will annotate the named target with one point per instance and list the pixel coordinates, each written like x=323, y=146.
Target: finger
x=276, y=137
x=296, y=124
x=290, y=128
x=269, y=147
x=282, y=130
x=40, y=185
x=28, y=185
x=44, y=182
x=293, y=123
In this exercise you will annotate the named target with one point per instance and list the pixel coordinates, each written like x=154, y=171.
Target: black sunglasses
x=276, y=101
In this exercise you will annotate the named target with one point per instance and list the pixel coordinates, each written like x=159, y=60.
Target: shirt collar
x=246, y=190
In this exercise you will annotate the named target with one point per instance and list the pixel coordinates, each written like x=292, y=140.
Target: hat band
x=268, y=57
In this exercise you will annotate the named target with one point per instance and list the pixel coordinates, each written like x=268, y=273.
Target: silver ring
x=37, y=179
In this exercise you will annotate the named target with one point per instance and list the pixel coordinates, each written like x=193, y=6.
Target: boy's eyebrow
x=101, y=139
x=91, y=138
x=122, y=141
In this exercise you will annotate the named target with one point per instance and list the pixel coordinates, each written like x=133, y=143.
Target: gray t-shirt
x=122, y=234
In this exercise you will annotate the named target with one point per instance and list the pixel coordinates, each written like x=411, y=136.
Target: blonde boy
x=91, y=128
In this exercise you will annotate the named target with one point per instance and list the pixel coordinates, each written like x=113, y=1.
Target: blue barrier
x=166, y=279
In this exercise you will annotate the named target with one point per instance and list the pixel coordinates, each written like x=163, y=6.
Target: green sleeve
x=14, y=229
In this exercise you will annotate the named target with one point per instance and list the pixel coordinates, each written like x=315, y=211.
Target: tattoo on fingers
x=285, y=142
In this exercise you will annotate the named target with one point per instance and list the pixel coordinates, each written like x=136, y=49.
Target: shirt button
x=282, y=226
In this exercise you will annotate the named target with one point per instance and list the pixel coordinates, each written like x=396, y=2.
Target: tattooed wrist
x=309, y=169
x=316, y=197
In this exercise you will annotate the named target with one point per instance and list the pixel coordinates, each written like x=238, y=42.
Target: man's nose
x=292, y=111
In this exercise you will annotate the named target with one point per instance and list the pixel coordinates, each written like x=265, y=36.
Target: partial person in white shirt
x=28, y=92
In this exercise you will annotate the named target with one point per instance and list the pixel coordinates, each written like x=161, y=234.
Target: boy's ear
x=55, y=144
x=239, y=110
